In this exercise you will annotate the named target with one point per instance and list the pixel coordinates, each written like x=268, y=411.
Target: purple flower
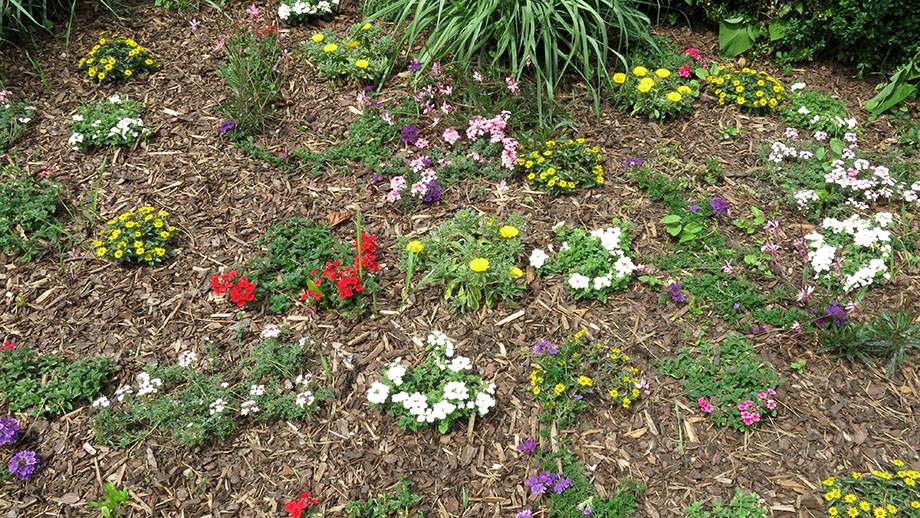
x=719, y=206
x=587, y=511
x=630, y=162
x=835, y=314
x=526, y=513
x=433, y=193
x=736, y=305
x=694, y=208
x=415, y=65
x=409, y=134
x=9, y=430
x=578, y=397
x=545, y=346
x=674, y=292
x=23, y=464
x=227, y=126
x=528, y=446
x=562, y=484
x=375, y=178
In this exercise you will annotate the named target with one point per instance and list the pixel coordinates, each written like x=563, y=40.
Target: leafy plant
x=15, y=117
x=387, y=505
x=362, y=55
x=560, y=167
x=890, y=335
x=28, y=208
x=474, y=257
x=107, y=123
x=874, y=493
x=117, y=57
x=746, y=88
x=817, y=111
x=750, y=226
x=659, y=94
x=900, y=88
x=741, y=506
x=137, y=237
x=295, y=12
x=111, y=501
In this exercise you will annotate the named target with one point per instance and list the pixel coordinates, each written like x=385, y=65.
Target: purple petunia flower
x=719, y=206
x=9, y=430
x=433, y=193
x=23, y=464
x=630, y=162
x=415, y=65
x=528, y=446
x=409, y=134
x=674, y=292
x=835, y=314
x=227, y=126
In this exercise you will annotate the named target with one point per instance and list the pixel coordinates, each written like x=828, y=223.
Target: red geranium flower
x=297, y=507
x=243, y=292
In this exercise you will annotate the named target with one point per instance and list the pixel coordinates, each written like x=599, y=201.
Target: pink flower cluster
x=750, y=413
x=495, y=127
x=686, y=70
x=434, y=98
x=705, y=406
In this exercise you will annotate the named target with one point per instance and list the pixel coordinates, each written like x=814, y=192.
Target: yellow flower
x=878, y=512
x=644, y=87
x=559, y=389
x=662, y=73
x=915, y=504
x=740, y=100
x=318, y=38
x=92, y=71
x=898, y=462
x=833, y=511
x=164, y=234
x=850, y=499
x=108, y=67
x=148, y=61
x=366, y=27
x=619, y=78
x=509, y=231
x=137, y=233
x=891, y=509
x=551, y=171
x=128, y=73
x=101, y=76
x=148, y=257
x=110, y=222
x=332, y=47
x=852, y=512
x=585, y=381
x=118, y=254
x=158, y=223
x=531, y=176
x=139, y=251
x=516, y=273
x=640, y=71
x=528, y=164
x=159, y=251
x=362, y=63
x=614, y=393
x=415, y=246
x=97, y=244
x=829, y=482
x=626, y=402
x=635, y=393
x=864, y=506
x=684, y=89
x=536, y=391
x=138, y=244
x=479, y=265
x=353, y=44
x=100, y=251
x=121, y=244
x=674, y=97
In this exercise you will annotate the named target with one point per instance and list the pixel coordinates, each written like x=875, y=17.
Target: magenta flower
x=684, y=71
x=195, y=24
x=254, y=12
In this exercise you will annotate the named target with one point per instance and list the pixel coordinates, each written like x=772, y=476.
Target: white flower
x=122, y=392
x=579, y=282
x=271, y=331
x=284, y=11
x=396, y=373
x=248, y=407
x=217, y=406
x=257, y=390
x=538, y=258
x=440, y=410
x=804, y=110
x=602, y=282
x=378, y=393
x=460, y=363
x=187, y=358
x=304, y=398
x=115, y=99
x=456, y=390
x=101, y=402
x=796, y=86
x=484, y=402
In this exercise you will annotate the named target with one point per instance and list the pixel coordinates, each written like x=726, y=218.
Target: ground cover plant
x=296, y=12
x=15, y=117
x=390, y=504
x=741, y=506
x=560, y=167
x=658, y=93
x=361, y=55
x=141, y=236
x=747, y=88
x=116, y=58
x=874, y=493
x=198, y=398
x=816, y=111
x=23, y=464
x=107, y=123
x=29, y=207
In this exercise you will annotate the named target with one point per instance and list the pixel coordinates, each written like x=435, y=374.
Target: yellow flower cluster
x=560, y=167
x=747, y=88
x=117, y=56
x=140, y=236
x=360, y=55
x=659, y=94
x=891, y=494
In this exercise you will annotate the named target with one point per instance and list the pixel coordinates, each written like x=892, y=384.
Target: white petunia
x=378, y=393
x=538, y=258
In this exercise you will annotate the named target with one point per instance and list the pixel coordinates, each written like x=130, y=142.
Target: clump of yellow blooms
x=658, y=94
x=876, y=494
x=117, y=57
x=560, y=167
x=361, y=54
x=746, y=88
x=140, y=236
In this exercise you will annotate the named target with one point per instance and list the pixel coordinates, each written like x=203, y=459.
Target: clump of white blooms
x=295, y=12
x=851, y=253
x=187, y=358
x=106, y=123
x=438, y=392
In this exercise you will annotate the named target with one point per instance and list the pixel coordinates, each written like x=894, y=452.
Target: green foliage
x=136, y=237
x=198, y=401
x=111, y=501
x=567, y=379
x=468, y=242
x=293, y=251
x=736, y=36
x=386, y=505
x=890, y=336
x=751, y=226
x=15, y=117
x=724, y=291
x=725, y=377
x=900, y=88
x=49, y=385
x=714, y=169
x=559, y=167
x=362, y=55
x=683, y=228
x=180, y=5
x=254, y=72
x=659, y=186
x=107, y=123
x=741, y=506
x=117, y=58
x=746, y=88
x=555, y=36
x=601, y=259
x=875, y=492
x=28, y=208
x=806, y=104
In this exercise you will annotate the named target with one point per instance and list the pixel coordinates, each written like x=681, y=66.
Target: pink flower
x=397, y=183
x=501, y=187
x=421, y=143
x=771, y=404
x=762, y=395
x=805, y=293
x=194, y=24
x=771, y=392
x=512, y=85
x=451, y=136
x=254, y=12
x=727, y=267
x=393, y=196
x=477, y=76
x=220, y=44
x=705, y=406
x=684, y=71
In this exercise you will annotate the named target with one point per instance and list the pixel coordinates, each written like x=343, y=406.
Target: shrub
x=560, y=167
x=747, y=89
x=361, y=56
x=295, y=12
x=107, y=123
x=117, y=57
x=15, y=117
x=28, y=208
x=472, y=256
x=140, y=236
x=659, y=94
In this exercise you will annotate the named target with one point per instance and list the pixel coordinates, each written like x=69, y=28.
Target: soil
x=834, y=416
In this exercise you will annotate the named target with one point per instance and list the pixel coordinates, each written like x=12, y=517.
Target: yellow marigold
x=684, y=89
x=516, y=273
x=318, y=38
x=619, y=78
x=585, y=381
x=640, y=71
x=332, y=47
x=362, y=63
x=353, y=44
x=480, y=264
x=509, y=231
x=662, y=73
x=674, y=97
x=415, y=246
x=644, y=87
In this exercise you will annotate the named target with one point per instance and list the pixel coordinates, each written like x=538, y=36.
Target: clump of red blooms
x=346, y=280
x=298, y=506
x=7, y=345
x=241, y=290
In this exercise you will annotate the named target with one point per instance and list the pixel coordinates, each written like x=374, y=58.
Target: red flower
x=7, y=345
x=306, y=496
x=297, y=507
x=243, y=292
x=368, y=246
x=221, y=283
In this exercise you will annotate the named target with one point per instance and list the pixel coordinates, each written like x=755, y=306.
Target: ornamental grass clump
x=436, y=393
x=361, y=55
x=134, y=237
x=117, y=57
x=658, y=94
x=874, y=494
x=570, y=377
x=560, y=167
x=746, y=88
x=107, y=123
x=596, y=264
x=473, y=256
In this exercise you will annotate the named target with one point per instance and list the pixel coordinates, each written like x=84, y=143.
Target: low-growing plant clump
x=29, y=206
x=141, y=236
x=107, y=123
x=116, y=58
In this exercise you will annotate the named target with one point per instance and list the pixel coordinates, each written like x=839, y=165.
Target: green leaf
x=836, y=145
x=735, y=37
x=670, y=219
x=897, y=90
x=674, y=229
x=777, y=30
x=701, y=73
x=687, y=237
x=693, y=228
x=820, y=153
x=751, y=259
x=443, y=426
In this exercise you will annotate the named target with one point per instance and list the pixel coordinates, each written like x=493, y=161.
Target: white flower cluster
x=453, y=391
x=271, y=331
x=867, y=247
x=298, y=11
x=125, y=128
x=187, y=358
x=147, y=385
x=305, y=397
x=115, y=122
x=217, y=406
x=621, y=267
